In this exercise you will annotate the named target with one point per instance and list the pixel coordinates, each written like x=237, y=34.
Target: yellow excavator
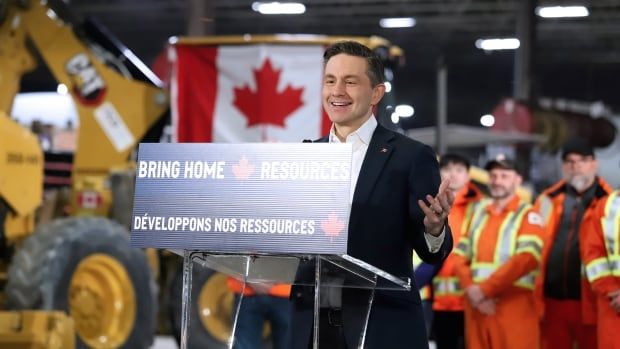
x=73, y=275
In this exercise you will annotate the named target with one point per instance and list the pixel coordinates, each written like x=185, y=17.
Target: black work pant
x=449, y=329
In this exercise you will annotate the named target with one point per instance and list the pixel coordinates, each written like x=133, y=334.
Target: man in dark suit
x=397, y=206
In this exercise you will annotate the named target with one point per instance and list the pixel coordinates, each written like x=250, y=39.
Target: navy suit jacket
x=385, y=226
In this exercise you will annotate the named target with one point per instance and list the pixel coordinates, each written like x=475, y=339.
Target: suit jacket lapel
x=379, y=151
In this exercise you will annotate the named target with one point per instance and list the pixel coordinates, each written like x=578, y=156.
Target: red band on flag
x=197, y=92
x=326, y=124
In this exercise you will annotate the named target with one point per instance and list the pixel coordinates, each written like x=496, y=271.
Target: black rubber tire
x=41, y=270
x=198, y=335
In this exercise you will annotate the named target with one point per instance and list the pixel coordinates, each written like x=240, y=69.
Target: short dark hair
x=452, y=158
x=375, y=70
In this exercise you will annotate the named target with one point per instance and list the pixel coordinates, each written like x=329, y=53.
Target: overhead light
x=401, y=22
x=279, y=8
x=487, y=120
x=395, y=118
x=498, y=44
x=404, y=110
x=62, y=89
x=388, y=86
x=562, y=11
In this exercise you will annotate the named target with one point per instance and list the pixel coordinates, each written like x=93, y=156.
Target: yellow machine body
x=21, y=176
x=115, y=111
x=36, y=330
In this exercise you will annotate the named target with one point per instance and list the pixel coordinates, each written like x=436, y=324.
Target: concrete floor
x=164, y=342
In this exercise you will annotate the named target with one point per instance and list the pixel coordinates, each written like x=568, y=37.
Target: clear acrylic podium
x=318, y=271
x=269, y=222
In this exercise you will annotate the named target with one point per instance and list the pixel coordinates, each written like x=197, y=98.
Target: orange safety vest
x=447, y=290
x=600, y=249
x=600, y=252
x=550, y=204
x=501, y=251
x=277, y=290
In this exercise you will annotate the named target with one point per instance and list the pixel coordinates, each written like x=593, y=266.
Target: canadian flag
x=247, y=93
x=89, y=199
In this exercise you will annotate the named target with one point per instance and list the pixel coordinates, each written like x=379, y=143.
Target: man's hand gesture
x=437, y=209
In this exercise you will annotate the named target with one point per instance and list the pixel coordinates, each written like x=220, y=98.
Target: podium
x=316, y=270
x=275, y=213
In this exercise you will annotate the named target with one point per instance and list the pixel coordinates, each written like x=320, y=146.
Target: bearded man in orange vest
x=496, y=261
x=562, y=288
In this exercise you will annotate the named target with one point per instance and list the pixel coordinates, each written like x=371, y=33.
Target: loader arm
x=116, y=96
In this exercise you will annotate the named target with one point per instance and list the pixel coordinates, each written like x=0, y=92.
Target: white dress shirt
x=360, y=139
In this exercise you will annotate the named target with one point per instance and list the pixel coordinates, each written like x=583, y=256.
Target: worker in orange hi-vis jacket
x=600, y=251
x=562, y=289
x=497, y=260
x=448, y=317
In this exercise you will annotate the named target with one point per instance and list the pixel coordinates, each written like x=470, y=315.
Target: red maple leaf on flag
x=266, y=105
x=243, y=169
x=333, y=225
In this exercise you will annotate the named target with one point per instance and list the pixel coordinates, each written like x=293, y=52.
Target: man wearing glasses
x=569, y=305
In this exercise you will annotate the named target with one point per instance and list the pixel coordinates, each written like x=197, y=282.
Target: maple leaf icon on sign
x=333, y=225
x=243, y=169
x=267, y=105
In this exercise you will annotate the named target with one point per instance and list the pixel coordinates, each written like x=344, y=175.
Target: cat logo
x=87, y=85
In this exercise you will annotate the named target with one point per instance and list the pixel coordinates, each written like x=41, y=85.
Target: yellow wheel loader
x=73, y=282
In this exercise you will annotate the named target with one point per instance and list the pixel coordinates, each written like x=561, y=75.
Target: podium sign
x=243, y=198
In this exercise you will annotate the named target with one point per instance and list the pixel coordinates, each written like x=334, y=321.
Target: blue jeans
x=255, y=310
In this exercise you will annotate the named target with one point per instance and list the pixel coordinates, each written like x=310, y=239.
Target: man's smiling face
x=348, y=94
